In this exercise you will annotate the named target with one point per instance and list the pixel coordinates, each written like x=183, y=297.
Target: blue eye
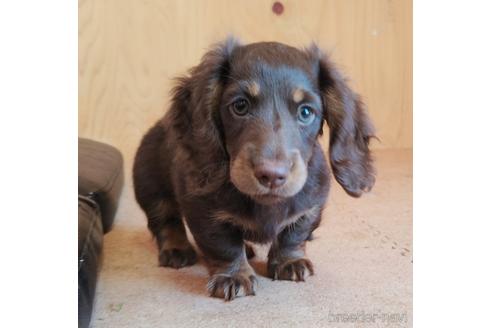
x=305, y=115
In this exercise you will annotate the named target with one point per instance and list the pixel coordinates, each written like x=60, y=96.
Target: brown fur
x=236, y=159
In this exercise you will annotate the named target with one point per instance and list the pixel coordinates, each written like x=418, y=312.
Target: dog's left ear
x=350, y=127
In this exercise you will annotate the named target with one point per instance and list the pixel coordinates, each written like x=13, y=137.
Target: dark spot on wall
x=278, y=8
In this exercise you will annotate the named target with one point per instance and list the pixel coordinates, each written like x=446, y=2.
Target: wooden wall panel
x=129, y=50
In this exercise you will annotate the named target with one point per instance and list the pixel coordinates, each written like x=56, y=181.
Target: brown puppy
x=237, y=156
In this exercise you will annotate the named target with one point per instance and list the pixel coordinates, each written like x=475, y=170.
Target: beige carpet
x=362, y=255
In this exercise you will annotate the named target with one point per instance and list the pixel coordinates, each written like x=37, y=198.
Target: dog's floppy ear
x=350, y=128
x=194, y=116
x=196, y=97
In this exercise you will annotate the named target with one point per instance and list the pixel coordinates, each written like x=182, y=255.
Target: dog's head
x=263, y=105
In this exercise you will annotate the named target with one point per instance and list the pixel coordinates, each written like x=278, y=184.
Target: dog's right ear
x=196, y=97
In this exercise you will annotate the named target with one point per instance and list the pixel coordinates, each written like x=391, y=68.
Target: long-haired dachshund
x=237, y=156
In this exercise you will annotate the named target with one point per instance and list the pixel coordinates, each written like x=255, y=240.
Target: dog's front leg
x=225, y=255
x=287, y=256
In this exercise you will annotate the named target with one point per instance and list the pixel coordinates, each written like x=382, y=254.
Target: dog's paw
x=229, y=287
x=294, y=269
x=177, y=258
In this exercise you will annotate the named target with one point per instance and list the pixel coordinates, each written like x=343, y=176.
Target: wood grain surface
x=129, y=51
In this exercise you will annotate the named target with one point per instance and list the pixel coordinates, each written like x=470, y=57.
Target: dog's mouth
x=268, y=182
x=246, y=183
x=270, y=198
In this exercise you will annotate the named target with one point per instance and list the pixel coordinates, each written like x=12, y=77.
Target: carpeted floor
x=362, y=255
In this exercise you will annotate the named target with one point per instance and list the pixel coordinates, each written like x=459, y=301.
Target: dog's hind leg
x=165, y=223
x=154, y=194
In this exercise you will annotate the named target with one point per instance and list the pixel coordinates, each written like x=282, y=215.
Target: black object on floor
x=100, y=184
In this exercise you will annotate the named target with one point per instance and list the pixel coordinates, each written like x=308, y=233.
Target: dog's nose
x=272, y=174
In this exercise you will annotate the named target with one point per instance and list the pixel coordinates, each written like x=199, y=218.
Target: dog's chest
x=260, y=224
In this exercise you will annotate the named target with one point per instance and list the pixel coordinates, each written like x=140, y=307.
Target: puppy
x=237, y=157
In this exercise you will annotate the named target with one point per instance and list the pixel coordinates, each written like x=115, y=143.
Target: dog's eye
x=240, y=107
x=305, y=115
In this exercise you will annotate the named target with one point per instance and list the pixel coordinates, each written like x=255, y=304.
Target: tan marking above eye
x=298, y=95
x=253, y=88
